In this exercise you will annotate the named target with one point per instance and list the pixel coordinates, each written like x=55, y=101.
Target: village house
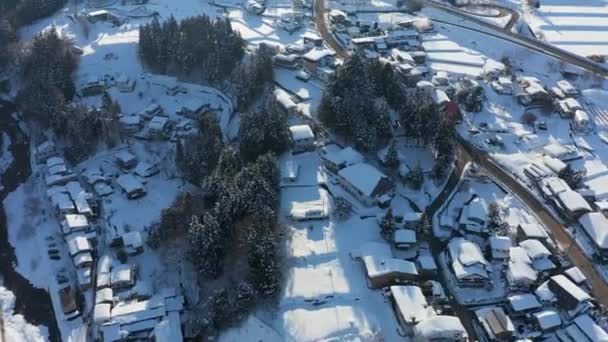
x=404, y=238
x=94, y=86
x=381, y=268
x=45, y=150
x=547, y=320
x=521, y=304
x=336, y=158
x=159, y=127
x=570, y=297
x=131, y=186
x=567, y=107
x=500, y=247
x=410, y=306
x=495, y=323
x=63, y=203
x=80, y=249
x=366, y=183
x=468, y=264
x=122, y=276
x=286, y=103
x=125, y=84
x=144, y=169
x=74, y=223
x=581, y=121
x=151, y=111
x=291, y=61
x=125, y=160
x=539, y=254
x=302, y=137
x=313, y=39
x=289, y=171
x=130, y=123
x=103, y=15
x=318, y=58
x=520, y=274
x=474, y=215
x=567, y=88
x=192, y=108
x=426, y=265
x=576, y=276
x=440, y=328
x=595, y=227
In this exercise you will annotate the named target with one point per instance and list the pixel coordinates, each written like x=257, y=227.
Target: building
x=192, y=108
x=103, y=15
x=291, y=61
x=144, y=169
x=404, y=238
x=159, y=127
x=468, y=264
x=287, y=104
x=521, y=304
x=535, y=231
x=302, y=137
x=93, y=86
x=581, y=121
x=500, y=247
x=317, y=58
x=410, y=306
x=122, y=276
x=131, y=186
x=45, y=150
x=567, y=88
x=538, y=254
x=336, y=158
x=570, y=297
x=74, y=223
x=440, y=328
x=595, y=227
x=520, y=273
x=474, y=215
x=125, y=160
x=495, y=324
x=381, y=268
x=289, y=171
x=125, y=84
x=130, y=123
x=154, y=109
x=567, y=107
x=547, y=320
x=366, y=183
x=426, y=265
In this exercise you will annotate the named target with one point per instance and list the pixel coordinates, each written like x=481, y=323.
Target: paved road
x=575, y=253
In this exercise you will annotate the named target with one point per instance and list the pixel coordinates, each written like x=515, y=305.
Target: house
x=440, y=328
x=365, y=183
x=122, y=276
x=311, y=210
x=285, y=101
x=125, y=160
x=130, y=123
x=154, y=109
x=311, y=38
x=503, y=86
x=581, y=121
x=576, y=275
x=567, y=88
x=495, y=323
x=132, y=243
x=571, y=204
x=80, y=249
x=570, y=297
x=74, y=223
x=595, y=226
x=144, y=169
x=45, y=150
x=94, y=86
x=522, y=304
x=547, y=320
x=291, y=61
x=102, y=15
x=568, y=107
x=104, y=296
x=474, y=215
x=159, y=127
x=289, y=171
x=318, y=57
x=410, y=306
x=63, y=203
x=336, y=158
x=302, y=137
x=538, y=254
x=381, y=268
x=590, y=329
x=407, y=38
x=192, y=108
x=500, y=247
x=131, y=186
x=426, y=265
x=125, y=84
x=535, y=231
x=440, y=98
x=468, y=264
x=404, y=238
x=520, y=274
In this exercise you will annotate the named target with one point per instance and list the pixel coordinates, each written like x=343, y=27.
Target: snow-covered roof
x=500, y=246
x=76, y=221
x=129, y=183
x=75, y=189
x=524, y=302
x=122, y=274
x=573, y=201
x=427, y=262
x=54, y=161
x=82, y=259
x=378, y=266
x=145, y=169
x=477, y=210
x=62, y=201
x=317, y=54
x=440, y=97
x=466, y=252
x=301, y=132
x=130, y=120
x=363, y=176
x=548, y=319
x=440, y=328
x=104, y=295
x=132, y=239
x=544, y=293
x=168, y=329
x=284, y=98
x=575, y=274
x=58, y=169
x=101, y=313
x=342, y=156
x=558, y=150
x=570, y=287
x=591, y=329
x=104, y=263
x=78, y=243
x=535, y=249
x=403, y=236
x=158, y=123
x=554, y=185
x=554, y=164
x=124, y=156
x=596, y=226
x=520, y=271
x=495, y=321
x=411, y=303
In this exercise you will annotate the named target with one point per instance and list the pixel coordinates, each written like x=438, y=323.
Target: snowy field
x=580, y=27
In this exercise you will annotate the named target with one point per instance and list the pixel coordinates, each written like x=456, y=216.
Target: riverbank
x=33, y=303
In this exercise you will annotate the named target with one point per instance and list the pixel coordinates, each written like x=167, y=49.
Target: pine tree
x=392, y=157
x=387, y=225
x=263, y=262
x=206, y=245
x=424, y=225
x=415, y=178
x=244, y=299
x=572, y=177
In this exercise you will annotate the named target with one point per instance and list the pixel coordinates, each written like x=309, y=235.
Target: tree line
x=198, y=45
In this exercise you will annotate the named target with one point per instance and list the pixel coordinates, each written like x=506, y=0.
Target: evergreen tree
x=392, y=157
x=387, y=225
x=263, y=262
x=424, y=225
x=573, y=178
x=415, y=178
x=263, y=131
x=244, y=299
x=206, y=245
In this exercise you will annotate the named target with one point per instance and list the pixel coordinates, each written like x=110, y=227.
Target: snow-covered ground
x=14, y=326
x=576, y=26
x=6, y=157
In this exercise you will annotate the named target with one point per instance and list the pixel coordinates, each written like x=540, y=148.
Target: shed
x=122, y=276
x=125, y=160
x=496, y=324
x=500, y=247
x=547, y=320
x=404, y=238
x=523, y=303
x=302, y=137
x=440, y=328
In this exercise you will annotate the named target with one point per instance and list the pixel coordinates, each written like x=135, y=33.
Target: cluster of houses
x=152, y=123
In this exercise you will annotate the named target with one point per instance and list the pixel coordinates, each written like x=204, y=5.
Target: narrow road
x=558, y=231
x=319, y=9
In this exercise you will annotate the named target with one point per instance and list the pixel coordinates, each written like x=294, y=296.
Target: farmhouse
x=366, y=183
x=468, y=264
x=317, y=58
x=336, y=158
x=522, y=304
x=595, y=227
x=410, y=306
x=496, y=324
x=131, y=186
x=500, y=247
x=302, y=137
x=570, y=296
x=440, y=328
x=125, y=160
